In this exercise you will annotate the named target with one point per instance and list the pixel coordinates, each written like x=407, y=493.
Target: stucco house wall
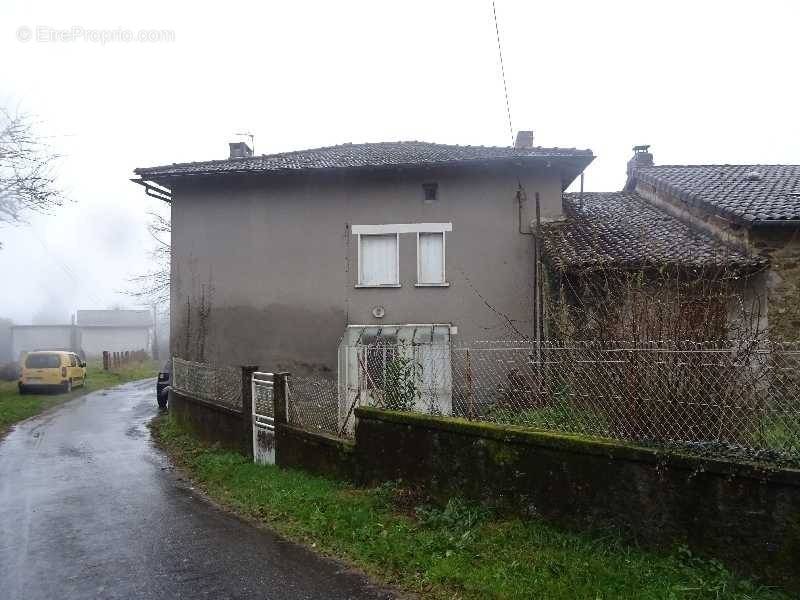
x=264, y=269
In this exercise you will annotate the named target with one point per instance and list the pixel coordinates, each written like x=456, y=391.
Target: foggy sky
x=710, y=82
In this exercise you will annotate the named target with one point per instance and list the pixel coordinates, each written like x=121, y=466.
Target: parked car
x=51, y=370
x=163, y=384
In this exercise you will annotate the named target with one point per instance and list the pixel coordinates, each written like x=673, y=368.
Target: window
x=430, y=191
x=430, y=259
x=378, y=253
x=378, y=260
x=43, y=361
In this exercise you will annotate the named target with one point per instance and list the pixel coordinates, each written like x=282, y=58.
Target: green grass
x=15, y=408
x=455, y=551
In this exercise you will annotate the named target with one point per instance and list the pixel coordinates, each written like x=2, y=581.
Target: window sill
x=445, y=284
x=379, y=286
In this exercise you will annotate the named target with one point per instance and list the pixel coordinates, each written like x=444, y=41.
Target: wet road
x=90, y=509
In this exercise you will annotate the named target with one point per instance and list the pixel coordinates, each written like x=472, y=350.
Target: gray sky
x=703, y=82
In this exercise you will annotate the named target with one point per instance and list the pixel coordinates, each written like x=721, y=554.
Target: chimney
x=641, y=158
x=240, y=150
x=524, y=139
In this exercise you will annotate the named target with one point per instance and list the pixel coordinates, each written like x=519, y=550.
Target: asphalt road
x=89, y=508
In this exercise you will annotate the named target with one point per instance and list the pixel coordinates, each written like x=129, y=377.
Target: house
x=288, y=260
x=682, y=252
x=25, y=338
x=94, y=332
x=115, y=330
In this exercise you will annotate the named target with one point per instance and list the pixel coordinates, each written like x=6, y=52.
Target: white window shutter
x=378, y=260
x=431, y=258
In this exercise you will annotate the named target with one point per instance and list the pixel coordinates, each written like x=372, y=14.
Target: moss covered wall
x=743, y=515
x=213, y=424
x=314, y=452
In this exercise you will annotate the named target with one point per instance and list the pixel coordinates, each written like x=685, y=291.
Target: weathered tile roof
x=746, y=194
x=371, y=155
x=622, y=230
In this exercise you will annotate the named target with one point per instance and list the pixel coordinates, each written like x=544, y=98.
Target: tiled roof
x=350, y=156
x=115, y=318
x=623, y=230
x=746, y=194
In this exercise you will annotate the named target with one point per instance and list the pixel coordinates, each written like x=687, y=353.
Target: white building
x=26, y=338
x=94, y=332
x=115, y=331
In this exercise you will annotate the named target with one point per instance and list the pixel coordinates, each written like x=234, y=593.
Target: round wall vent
x=378, y=312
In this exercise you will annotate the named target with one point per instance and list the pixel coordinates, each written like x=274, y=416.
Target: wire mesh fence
x=740, y=400
x=313, y=405
x=220, y=385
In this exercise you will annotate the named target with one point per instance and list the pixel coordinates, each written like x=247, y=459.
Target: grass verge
x=15, y=408
x=455, y=551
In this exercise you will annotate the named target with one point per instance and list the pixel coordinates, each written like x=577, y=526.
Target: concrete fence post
x=280, y=398
x=247, y=408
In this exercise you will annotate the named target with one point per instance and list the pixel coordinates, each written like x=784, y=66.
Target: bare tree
x=27, y=180
x=153, y=286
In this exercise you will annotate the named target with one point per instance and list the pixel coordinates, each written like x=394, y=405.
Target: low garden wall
x=746, y=516
x=315, y=452
x=213, y=423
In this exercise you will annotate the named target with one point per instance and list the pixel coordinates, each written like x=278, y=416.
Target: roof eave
x=575, y=164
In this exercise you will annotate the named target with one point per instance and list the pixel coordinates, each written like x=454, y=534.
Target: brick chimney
x=524, y=139
x=240, y=150
x=641, y=158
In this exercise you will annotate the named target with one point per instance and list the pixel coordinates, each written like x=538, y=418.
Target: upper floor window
x=379, y=253
x=430, y=258
x=378, y=260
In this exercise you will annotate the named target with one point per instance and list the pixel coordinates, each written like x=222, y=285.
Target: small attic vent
x=754, y=176
x=430, y=192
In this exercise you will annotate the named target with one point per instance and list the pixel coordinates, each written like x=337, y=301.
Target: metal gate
x=263, y=419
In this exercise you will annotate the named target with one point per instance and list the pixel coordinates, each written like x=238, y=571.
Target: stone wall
x=746, y=516
x=212, y=423
x=782, y=248
x=315, y=452
x=779, y=244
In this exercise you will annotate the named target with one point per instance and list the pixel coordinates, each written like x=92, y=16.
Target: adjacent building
x=681, y=252
x=115, y=330
x=92, y=333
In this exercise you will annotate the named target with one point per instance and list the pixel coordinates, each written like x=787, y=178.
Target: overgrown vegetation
x=15, y=408
x=452, y=551
x=402, y=379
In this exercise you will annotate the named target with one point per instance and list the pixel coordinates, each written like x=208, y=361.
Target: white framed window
x=378, y=260
x=431, y=259
x=379, y=253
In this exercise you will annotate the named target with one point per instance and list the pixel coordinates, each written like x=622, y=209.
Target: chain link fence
x=737, y=400
x=219, y=385
x=313, y=405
